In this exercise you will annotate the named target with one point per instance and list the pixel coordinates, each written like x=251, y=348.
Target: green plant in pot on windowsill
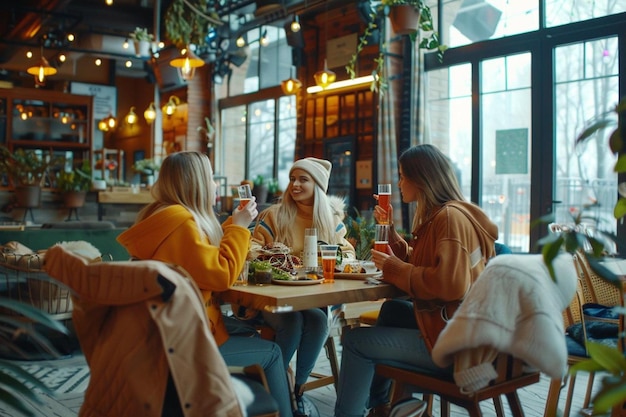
x=260, y=190
x=407, y=17
x=26, y=171
x=273, y=190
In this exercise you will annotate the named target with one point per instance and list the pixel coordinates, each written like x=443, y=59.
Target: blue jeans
x=305, y=331
x=243, y=351
x=365, y=347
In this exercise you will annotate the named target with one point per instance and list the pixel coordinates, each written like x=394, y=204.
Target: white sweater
x=514, y=307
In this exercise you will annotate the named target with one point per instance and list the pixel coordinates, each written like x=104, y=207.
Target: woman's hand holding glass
x=243, y=216
x=380, y=214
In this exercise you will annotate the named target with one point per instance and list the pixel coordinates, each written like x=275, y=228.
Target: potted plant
x=259, y=189
x=273, y=190
x=26, y=170
x=408, y=17
x=74, y=185
x=142, y=41
x=148, y=169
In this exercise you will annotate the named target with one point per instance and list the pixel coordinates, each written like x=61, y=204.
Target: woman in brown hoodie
x=452, y=241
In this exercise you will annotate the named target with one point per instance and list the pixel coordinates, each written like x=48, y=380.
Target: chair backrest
x=592, y=289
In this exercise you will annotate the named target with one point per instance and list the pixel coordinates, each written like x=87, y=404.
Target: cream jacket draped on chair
x=514, y=307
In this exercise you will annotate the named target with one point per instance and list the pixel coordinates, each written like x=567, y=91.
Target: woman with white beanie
x=304, y=205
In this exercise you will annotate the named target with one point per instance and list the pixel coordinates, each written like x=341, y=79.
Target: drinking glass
x=242, y=279
x=381, y=239
x=384, y=195
x=329, y=259
x=245, y=194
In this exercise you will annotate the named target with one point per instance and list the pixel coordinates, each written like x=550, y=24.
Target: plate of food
x=301, y=281
x=357, y=270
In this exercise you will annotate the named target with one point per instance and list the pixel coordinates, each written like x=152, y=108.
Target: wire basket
x=23, y=279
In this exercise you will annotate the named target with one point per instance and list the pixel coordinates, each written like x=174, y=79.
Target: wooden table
x=284, y=298
x=122, y=197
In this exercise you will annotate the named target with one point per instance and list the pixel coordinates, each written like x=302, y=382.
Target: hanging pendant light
x=325, y=77
x=42, y=70
x=291, y=85
x=187, y=63
x=150, y=114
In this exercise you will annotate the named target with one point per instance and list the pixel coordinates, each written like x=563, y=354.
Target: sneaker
x=305, y=408
x=380, y=411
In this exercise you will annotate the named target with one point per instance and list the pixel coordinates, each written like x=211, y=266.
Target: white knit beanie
x=319, y=169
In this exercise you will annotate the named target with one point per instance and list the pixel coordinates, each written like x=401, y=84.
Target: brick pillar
x=199, y=99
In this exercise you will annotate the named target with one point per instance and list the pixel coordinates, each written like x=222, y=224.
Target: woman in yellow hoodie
x=180, y=227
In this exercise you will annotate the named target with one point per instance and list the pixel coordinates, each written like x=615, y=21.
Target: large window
x=586, y=86
x=514, y=144
x=258, y=139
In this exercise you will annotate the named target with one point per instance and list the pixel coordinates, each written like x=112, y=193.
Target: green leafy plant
x=15, y=383
x=187, y=22
x=259, y=181
x=146, y=166
x=579, y=236
x=78, y=179
x=360, y=233
x=141, y=34
x=380, y=12
x=25, y=166
x=272, y=186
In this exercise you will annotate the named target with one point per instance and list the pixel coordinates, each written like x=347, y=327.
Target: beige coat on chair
x=136, y=322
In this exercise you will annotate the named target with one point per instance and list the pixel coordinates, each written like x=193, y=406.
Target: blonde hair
x=186, y=178
x=433, y=173
x=323, y=217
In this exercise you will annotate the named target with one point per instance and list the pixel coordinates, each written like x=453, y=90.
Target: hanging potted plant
x=407, y=17
x=142, y=41
x=26, y=171
x=74, y=185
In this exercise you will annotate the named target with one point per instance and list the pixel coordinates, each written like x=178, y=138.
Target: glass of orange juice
x=329, y=259
x=384, y=195
x=245, y=194
x=381, y=238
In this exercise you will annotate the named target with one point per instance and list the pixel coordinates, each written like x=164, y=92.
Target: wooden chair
x=511, y=377
x=252, y=378
x=591, y=289
x=512, y=373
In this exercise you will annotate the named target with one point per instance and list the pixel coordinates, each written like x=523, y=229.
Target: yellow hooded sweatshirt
x=171, y=235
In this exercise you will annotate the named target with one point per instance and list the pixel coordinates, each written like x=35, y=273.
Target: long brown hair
x=433, y=173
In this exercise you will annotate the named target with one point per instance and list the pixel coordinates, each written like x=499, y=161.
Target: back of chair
x=595, y=288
